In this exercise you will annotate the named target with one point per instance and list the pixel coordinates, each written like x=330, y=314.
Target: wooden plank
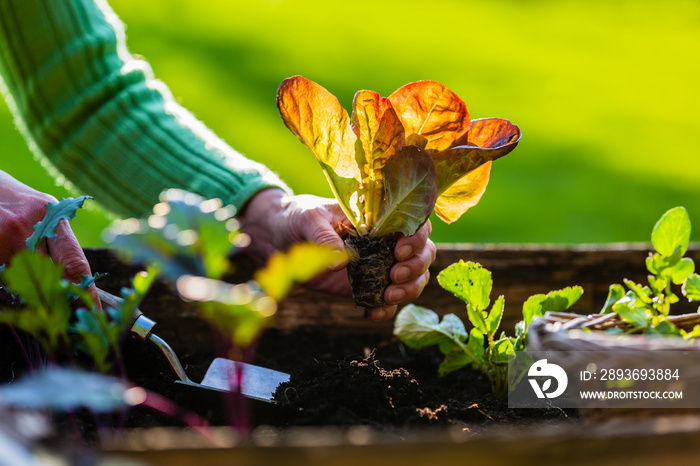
x=518, y=272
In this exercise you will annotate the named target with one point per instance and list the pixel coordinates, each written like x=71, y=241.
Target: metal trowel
x=258, y=383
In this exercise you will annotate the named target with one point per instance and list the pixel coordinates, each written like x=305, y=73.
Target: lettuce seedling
x=419, y=327
x=647, y=308
x=394, y=161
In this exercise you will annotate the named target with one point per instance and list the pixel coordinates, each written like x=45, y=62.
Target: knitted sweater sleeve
x=97, y=114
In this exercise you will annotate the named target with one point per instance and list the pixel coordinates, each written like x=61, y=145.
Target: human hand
x=275, y=221
x=20, y=208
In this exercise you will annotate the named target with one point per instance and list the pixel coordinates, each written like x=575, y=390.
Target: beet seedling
x=393, y=162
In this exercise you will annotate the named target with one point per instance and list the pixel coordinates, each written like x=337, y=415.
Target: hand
x=20, y=208
x=275, y=221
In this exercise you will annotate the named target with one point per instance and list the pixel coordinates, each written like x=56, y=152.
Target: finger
x=407, y=246
x=382, y=314
x=398, y=294
x=405, y=271
x=65, y=249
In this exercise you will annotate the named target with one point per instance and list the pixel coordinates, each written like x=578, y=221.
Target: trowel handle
x=141, y=327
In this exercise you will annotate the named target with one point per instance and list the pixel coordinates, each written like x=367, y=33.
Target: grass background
x=606, y=94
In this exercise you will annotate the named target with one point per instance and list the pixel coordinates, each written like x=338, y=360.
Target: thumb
x=65, y=249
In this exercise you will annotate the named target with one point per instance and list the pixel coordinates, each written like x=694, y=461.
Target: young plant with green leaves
x=394, y=161
x=481, y=348
x=647, y=308
x=61, y=314
x=190, y=241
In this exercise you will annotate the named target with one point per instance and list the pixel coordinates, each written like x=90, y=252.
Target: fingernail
x=404, y=252
x=401, y=274
x=396, y=295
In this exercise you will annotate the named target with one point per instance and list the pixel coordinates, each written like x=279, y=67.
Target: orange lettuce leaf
x=463, y=170
x=431, y=110
x=381, y=135
x=316, y=117
x=463, y=195
x=411, y=191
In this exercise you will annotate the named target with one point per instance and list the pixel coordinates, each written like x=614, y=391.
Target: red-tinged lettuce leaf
x=410, y=190
x=463, y=169
x=316, y=117
x=431, y=110
x=381, y=135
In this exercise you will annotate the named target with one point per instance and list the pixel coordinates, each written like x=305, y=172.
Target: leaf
x=615, y=293
x=65, y=209
x=691, y=287
x=468, y=281
x=488, y=139
x=186, y=235
x=66, y=390
x=315, y=116
x=381, y=135
x=477, y=318
x=39, y=282
x=672, y=231
x=554, y=301
x=643, y=293
x=239, y=311
x=301, y=263
x=495, y=316
x=463, y=169
x=419, y=327
x=501, y=351
x=627, y=309
x=98, y=335
x=431, y=110
x=463, y=194
x=454, y=360
x=682, y=270
x=409, y=178
x=475, y=346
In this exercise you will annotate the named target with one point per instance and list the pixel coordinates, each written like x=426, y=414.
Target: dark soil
x=388, y=386
x=370, y=261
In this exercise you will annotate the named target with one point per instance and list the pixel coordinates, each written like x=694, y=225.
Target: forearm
x=101, y=119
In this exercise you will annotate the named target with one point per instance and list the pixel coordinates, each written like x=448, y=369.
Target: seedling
x=419, y=327
x=393, y=162
x=647, y=308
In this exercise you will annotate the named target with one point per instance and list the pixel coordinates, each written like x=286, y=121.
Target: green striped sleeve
x=97, y=114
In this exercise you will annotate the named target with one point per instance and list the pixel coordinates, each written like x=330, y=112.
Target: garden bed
x=317, y=338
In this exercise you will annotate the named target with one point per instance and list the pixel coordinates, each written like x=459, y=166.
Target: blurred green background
x=606, y=94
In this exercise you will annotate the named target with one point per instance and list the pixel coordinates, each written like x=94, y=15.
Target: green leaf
x=615, y=293
x=659, y=264
x=454, y=360
x=501, y=351
x=495, y=316
x=691, y=287
x=301, y=263
x=643, y=293
x=682, y=270
x=672, y=232
x=186, y=235
x=239, y=311
x=554, y=301
x=478, y=319
x=65, y=209
x=97, y=334
x=628, y=310
x=468, y=281
x=409, y=185
x=475, y=346
x=40, y=283
x=66, y=390
x=419, y=327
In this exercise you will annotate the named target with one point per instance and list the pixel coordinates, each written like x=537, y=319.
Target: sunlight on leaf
x=468, y=281
x=65, y=209
x=672, y=231
x=301, y=263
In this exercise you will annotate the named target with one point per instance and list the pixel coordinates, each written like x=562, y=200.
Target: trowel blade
x=257, y=382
